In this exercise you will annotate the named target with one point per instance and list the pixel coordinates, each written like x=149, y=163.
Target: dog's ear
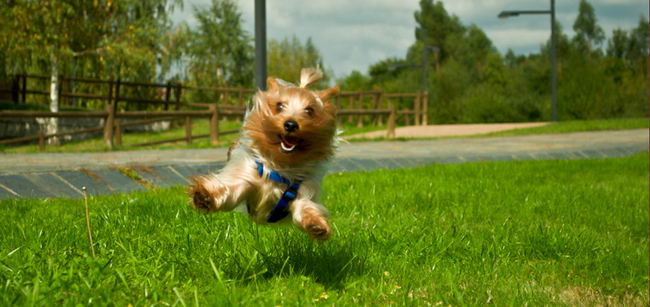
x=272, y=85
x=326, y=94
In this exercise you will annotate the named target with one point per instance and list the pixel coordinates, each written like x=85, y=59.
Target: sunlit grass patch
x=507, y=233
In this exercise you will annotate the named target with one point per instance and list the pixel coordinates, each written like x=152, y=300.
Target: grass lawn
x=560, y=127
x=130, y=139
x=578, y=126
x=201, y=127
x=506, y=233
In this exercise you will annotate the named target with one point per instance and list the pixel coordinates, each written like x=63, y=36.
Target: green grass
x=201, y=127
x=10, y=105
x=506, y=233
x=559, y=127
x=349, y=129
x=579, y=126
x=130, y=139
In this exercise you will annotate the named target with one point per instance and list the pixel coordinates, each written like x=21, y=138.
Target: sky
x=354, y=34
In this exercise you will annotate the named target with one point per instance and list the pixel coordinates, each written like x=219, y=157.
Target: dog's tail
x=309, y=76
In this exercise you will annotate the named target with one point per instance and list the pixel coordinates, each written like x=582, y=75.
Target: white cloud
x=518, y=38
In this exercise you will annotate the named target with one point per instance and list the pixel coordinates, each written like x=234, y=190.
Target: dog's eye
x=309, y=111
x=279, y=107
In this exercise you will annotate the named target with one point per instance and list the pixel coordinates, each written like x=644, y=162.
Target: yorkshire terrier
x=276, y=168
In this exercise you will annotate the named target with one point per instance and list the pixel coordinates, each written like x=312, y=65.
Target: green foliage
x=571, y=232
x=355, y=81
x=105, y=38
x=588, y=34
x=469, y=81
x=578, y=126
x=220, y=49
x=133, y=138
x=434, y=26
x=287, y=57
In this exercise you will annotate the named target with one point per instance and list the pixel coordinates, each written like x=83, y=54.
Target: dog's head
x=289, y=124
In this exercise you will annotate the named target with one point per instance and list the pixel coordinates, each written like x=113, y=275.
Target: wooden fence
x=112, y=128
x=118, y=92
x=116, y=97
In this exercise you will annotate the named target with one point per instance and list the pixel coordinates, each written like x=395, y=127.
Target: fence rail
x=113, y=127
x=117, y=96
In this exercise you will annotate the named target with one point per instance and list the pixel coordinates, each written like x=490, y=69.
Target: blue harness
x=281, y=209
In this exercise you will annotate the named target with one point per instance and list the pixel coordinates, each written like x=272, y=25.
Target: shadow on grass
x=327, y=263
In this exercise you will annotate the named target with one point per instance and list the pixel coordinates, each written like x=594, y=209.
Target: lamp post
x=425, y=70
x=506, y=14
x=260, y=44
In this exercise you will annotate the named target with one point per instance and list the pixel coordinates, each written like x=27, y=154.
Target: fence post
x=110, y=91
x=390, y=132
x=225, y=102
x=380, y=119
x=360, y=116
x=350, y=105
x=24, y=89
x=41, y=141
x=15, y=87
x=214, y=125
x=118, y=132
x=108, y=125
x=168, y=89
x=425, y=109
x=416, y=108
x=188, y=130
x=116, y=94
x=337, y=104
x=375, y=106
x=241, y=103
x=177, y=94
x=59, y=89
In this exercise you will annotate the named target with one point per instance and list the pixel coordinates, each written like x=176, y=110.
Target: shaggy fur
x=291, y=130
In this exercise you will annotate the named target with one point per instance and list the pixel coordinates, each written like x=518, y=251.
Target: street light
x=425, y=72
x=260, y=44
x=506, y=14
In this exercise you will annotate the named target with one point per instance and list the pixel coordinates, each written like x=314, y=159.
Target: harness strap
x=281, y=209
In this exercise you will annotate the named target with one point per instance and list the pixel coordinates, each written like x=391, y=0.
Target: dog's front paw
x=315, y=225
x=201, y=197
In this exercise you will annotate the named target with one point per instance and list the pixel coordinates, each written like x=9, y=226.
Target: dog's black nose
x=290, y=125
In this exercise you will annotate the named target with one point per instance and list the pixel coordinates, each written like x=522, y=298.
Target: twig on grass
x=90, y=234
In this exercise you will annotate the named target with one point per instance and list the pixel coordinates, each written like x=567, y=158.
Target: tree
x=470, y=47
x=355, y=81
x=288, y=56
x=617, y=45
x=220, y=51
x=589, y=35
x=434, y=25
x=475, y=83
x=638, y=46
x=113, y=36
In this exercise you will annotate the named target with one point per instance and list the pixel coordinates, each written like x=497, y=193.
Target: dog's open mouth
x=289, y=144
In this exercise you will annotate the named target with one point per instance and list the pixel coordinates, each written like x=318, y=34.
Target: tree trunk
x=53, y=123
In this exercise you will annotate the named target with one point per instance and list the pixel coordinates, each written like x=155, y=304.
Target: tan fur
x=261, y=138
x=309, y=76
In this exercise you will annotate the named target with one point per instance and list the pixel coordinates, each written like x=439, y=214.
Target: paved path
x=447, y=130
x=63, y=174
